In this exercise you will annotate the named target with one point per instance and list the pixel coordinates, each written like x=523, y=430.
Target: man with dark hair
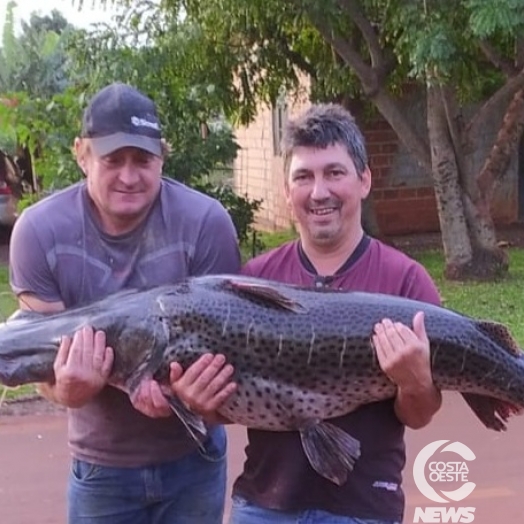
x=124, y=226
x=327, y=178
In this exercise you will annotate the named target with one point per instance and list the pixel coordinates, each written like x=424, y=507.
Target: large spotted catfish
x=301, y=356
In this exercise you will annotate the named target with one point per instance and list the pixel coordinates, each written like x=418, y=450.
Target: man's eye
x=144, y=159
x=301, y=177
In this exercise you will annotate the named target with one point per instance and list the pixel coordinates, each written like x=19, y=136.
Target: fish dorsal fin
x=266, y=293
x=501, y=334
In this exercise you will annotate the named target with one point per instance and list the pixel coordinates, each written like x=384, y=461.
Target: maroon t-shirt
x=277, y=474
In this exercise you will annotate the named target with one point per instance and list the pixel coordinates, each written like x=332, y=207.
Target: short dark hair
x=323, y=125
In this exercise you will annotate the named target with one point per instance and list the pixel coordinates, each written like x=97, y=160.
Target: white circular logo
x=443, y=471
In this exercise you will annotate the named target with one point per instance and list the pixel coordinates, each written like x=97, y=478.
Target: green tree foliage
x=33, y=68
x=35, y=61
x=159, y=61
x=368, y=53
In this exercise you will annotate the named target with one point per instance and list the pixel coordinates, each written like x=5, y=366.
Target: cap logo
x=142, y=122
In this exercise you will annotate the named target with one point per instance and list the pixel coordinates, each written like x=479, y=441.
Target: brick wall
x=400, y=208
x=404, y=198
x=259, y=173
x=407, y=204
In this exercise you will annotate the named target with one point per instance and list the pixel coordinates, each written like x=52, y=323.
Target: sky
x=82, y=19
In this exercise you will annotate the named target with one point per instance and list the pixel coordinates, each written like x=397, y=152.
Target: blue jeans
x=190, y=490
x=242, y=512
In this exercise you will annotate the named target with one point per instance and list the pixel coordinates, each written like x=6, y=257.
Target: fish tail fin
x=331, y=451
x=492, y=412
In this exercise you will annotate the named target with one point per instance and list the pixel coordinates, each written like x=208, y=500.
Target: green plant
x=241, y=208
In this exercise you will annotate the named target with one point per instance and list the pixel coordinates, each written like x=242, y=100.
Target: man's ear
x=366, y=182
x=79, y=148
x=287, y=193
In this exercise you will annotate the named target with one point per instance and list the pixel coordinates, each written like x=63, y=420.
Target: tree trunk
x=462, y=220
x=455, y=238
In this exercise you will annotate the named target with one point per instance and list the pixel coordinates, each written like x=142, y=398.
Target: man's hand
x=82, y=367
x=149, y=400
x=404, y=356
x=204, y=386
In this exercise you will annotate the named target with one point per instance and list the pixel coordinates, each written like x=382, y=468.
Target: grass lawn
x=7, y=306
x=498, y=301
x=7, y=300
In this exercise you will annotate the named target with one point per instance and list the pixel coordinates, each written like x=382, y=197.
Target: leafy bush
x=241, y=208
x=202, y=141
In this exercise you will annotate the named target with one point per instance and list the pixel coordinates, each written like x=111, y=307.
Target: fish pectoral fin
x=331, y=451
x=492, y=412
x=193, y=423
x=266, y=293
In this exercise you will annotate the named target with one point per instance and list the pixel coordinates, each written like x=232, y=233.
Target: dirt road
x=34, y=463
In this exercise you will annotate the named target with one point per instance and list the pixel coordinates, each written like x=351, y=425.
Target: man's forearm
x=415, y=408
x=47, y=391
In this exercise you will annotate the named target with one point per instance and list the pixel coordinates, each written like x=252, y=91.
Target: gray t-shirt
x=59, y=253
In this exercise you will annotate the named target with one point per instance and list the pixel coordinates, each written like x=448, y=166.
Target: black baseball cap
x=121, y=116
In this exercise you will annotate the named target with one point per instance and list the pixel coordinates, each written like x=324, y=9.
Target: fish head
x=138, y=350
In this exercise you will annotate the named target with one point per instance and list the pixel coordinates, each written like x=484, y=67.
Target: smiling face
x=325, y=193
x=122, y=185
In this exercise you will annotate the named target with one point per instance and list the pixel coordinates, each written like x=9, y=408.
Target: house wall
x=403, y=193
x=404, y=204
x=259, y=173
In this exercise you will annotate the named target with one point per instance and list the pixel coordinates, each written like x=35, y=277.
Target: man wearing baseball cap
x=119, y=116
x=124, y=225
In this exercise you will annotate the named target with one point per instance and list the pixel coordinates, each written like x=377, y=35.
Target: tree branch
x=414, y=143
x=505, y=144
x=455, y=124
x=489, y=109
x=294, y=57
x=519, y=52
x=506, y=66
x=367, y=30
x=350, y=56
x=373, y=87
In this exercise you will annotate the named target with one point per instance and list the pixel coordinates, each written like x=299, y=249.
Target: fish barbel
x=301, y=356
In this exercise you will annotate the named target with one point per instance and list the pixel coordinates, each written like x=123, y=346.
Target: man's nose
x=320, y=189
x=128, y=173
